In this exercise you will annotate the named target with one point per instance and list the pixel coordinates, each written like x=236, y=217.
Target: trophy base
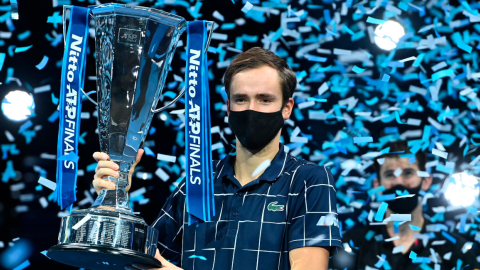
x=98, y=257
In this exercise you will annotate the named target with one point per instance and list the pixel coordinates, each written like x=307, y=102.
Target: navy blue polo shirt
x=291, y=205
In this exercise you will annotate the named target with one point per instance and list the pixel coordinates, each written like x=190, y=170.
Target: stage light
x=387, y=35
x=461, y=189
x=18, y=105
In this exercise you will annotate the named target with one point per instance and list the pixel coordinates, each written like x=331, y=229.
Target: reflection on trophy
x=134, y=47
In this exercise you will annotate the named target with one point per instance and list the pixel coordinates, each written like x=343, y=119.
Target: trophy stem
x=114, y=199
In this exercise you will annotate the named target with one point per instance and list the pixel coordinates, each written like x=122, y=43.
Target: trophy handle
x=183, y=90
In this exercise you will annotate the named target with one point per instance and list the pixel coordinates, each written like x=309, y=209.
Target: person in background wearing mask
x=283, y=217
x=397, y=245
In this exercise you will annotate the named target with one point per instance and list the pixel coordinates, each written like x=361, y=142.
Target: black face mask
x=403, y=205
x=255, y=129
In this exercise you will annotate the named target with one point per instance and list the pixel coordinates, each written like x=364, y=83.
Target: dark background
x=37, y=228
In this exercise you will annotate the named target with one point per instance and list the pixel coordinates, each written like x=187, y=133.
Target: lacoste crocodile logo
x=274, y=207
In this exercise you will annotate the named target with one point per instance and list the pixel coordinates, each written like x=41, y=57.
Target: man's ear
x=287, y=110
x=375, y=182
x=228, y=106
x=427, y=183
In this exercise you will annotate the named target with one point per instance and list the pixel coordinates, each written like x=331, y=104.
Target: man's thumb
x=163, y=260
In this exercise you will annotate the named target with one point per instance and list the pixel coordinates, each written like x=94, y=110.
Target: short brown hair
x=398, y=146
x=257, y=57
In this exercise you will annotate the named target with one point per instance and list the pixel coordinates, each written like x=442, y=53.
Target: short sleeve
x=314, y=218
x=170, y=225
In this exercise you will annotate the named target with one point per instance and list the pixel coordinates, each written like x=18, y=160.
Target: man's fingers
x=100, y=184
x=140, y=154
x=100, y=156
x=106, y=164
x=164, y=262
x=102, y=172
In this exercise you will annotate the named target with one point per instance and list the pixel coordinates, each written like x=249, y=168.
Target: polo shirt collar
x=275, y=169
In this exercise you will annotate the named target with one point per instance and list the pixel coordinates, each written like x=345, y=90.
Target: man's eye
x=240, y=100
x=266, y=100
x=388, y=175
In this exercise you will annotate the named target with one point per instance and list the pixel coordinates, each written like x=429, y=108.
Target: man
x=396, y=244
x=263, y=221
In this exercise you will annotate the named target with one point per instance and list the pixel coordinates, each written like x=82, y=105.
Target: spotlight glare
x=18, y=105
x=461, y=190
x=387, y=35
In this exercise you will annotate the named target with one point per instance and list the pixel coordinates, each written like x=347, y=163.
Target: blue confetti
x=381, y=211
x=22, y=49
x=43, y=63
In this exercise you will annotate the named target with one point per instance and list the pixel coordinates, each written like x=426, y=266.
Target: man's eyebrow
x=260, y=95
x=266, y=95
x=239, y=95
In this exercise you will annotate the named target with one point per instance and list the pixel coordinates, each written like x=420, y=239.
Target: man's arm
x=311, y=258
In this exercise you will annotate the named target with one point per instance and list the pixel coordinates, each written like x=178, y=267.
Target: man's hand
x=166, y=265
x=105, y=168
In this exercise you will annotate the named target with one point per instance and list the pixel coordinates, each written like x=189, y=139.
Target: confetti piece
x=42, y=64
x=439, y=153
x=442, y=74
x=397, y=172
x=162, y=174
x=23, y=265
x=400, y=217
x=2, y=60
x=323, y=88
x=166, y=158
x=464, y=46
x=358, y=70
x=14, y=13
x=247, y=7
x=381, y=211
x=423, y=174
x=43, y=202
x=398, y=249
x=317, y=239
x=47, y=183
x=341, y=52
x=42, y=89
x=414, y=122
x=218, y=16
x=81, y=222
x=412, y=255
x=56, y=19
x=381, y=261
x=375, y=21
x=263, y=166
x=449, y=237
x=397, y=117
x=392, y=239
x=414, y=228
x=357, y=140
x=22, y=49
x=198, y=257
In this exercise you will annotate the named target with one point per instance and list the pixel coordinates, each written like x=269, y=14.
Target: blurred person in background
x=394, y=246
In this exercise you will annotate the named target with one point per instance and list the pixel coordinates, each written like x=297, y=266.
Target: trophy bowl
x=134, y=48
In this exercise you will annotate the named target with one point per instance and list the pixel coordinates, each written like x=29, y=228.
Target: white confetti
x=81, y=222
x=263, y=166
x=166, y=158
x=47, y=183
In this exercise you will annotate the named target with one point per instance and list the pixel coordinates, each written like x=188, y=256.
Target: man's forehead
x=395, y=162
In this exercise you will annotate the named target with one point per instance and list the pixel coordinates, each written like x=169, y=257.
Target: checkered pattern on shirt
x=244, y=234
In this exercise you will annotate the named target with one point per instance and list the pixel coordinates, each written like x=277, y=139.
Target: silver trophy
x=134, y=47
